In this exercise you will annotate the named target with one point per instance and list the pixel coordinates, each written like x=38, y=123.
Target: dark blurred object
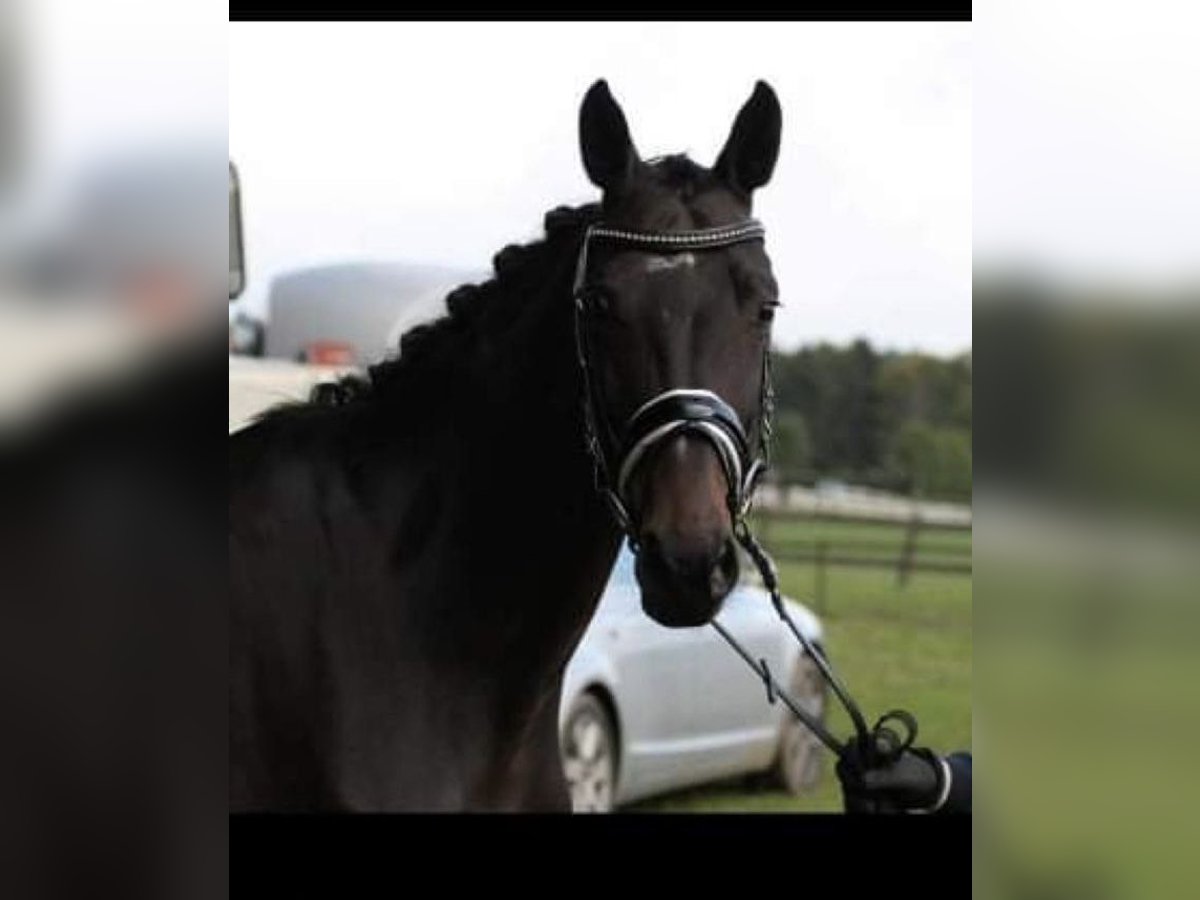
x=113, y=637
x=247, y=336
x=237, y=274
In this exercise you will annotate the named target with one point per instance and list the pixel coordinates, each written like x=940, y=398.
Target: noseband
x=617, y=452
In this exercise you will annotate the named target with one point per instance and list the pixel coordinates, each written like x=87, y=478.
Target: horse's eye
x=599, y=302
x=766, y=313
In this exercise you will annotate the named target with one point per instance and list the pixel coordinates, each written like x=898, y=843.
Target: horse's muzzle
x=685, y=582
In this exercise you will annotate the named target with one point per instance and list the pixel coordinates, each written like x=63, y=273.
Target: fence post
x=909, y=550
x=819, y=573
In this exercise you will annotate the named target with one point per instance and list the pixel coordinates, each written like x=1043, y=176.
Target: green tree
x=791, y=447
x=898, y=420
x=934, y=461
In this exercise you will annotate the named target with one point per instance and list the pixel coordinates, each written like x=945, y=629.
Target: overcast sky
x=1087, y=136
x=114, y=80
x=440, y=143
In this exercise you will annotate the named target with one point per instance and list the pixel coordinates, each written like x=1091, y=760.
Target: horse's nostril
x=731, y=560
x=713, y=570
x=725, y=572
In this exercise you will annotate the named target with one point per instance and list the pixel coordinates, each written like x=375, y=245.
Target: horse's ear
x=608, y=152
x=750, y=153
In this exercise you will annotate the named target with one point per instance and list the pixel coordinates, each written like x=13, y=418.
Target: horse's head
x=685, y=328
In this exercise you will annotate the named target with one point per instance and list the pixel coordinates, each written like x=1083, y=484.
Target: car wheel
x=798, y=767
x=589, y=750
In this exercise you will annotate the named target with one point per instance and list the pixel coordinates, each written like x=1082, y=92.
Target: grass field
x=894, y=647
x=780, y=534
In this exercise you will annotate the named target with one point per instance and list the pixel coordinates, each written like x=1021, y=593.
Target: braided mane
x=476, y=313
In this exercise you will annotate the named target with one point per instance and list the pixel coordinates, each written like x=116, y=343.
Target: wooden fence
x=823, y=552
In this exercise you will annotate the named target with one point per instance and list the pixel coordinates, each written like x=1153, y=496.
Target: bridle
x=616, y=454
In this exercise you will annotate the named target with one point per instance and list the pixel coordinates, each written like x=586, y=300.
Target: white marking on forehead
x=669, y=261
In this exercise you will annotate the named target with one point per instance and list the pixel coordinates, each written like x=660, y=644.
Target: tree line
x=897, y=421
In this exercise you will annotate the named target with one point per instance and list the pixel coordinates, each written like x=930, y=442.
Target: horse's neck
x=550, y=539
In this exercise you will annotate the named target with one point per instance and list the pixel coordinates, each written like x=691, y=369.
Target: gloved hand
x=915, y=780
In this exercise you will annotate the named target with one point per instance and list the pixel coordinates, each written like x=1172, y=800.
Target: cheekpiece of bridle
x=617, y=452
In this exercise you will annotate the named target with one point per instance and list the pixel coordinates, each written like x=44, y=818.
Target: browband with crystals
x=668, y=241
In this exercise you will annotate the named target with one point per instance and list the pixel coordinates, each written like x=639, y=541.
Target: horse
x=415, y=552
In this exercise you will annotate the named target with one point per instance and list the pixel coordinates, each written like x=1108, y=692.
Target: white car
x=647, y=709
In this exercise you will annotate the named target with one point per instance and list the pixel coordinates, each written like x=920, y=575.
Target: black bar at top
x=828, y=11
